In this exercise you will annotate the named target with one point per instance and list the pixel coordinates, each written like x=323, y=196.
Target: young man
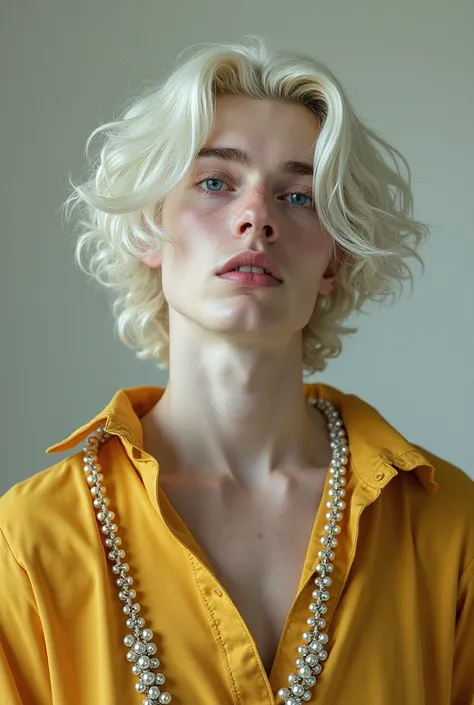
x=239, y=536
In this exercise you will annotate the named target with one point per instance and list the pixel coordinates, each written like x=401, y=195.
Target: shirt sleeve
x=463, y=671
x=24, y=676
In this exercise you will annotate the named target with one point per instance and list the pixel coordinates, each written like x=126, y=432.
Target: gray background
x=68, y=65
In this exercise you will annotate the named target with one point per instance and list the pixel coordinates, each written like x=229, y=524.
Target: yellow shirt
x=401, y=613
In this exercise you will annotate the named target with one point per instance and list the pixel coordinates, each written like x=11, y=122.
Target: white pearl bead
x=148, y=678
x=297, y=690
x=304, y=672
x=283, y=693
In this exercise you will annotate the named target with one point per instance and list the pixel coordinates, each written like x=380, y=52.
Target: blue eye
x=207, y=181
x=304, y=195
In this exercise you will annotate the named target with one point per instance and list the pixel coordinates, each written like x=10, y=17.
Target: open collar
x=378, y=451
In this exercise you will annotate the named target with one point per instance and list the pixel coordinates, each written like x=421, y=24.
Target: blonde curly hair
x=361, y=187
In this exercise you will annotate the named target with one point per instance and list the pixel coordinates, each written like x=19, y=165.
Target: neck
x=241, y=417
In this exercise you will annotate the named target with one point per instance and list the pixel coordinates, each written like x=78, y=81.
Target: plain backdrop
x=67, y=66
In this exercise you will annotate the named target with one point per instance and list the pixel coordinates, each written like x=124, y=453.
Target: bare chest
x=256, y=547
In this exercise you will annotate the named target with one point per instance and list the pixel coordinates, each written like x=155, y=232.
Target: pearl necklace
x=140, y=649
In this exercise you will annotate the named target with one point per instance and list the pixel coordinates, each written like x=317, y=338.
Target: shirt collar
x=378, y=451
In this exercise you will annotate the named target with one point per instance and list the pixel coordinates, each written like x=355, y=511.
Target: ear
x=329, y=281
x=327, y=284
x=152, y=260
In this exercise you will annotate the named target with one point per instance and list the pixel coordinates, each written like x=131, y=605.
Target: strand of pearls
x=140, y=648
x=313, y=653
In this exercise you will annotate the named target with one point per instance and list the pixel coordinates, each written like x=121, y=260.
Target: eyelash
x=216, y=193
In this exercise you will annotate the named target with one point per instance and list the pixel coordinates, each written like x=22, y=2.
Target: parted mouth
x=251, y=260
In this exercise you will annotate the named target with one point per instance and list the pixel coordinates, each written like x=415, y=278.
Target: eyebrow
x=232, y=154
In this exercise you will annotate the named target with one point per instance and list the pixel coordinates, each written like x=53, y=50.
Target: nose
x=255, y=218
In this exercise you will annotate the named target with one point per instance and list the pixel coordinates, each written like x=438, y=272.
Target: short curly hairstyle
x=361, y=185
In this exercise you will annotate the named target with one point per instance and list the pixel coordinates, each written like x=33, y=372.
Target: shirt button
x=380, y=476
x=218, y=592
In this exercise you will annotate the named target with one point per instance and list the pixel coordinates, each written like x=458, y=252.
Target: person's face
x=222, y=207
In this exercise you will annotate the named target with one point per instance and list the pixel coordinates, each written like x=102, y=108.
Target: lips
x=251, y=258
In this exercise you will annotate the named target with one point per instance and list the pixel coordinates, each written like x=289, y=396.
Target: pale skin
x=240, y=450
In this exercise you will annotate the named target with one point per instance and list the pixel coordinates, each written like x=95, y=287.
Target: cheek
x=312, y=245
x=191, y=230
x=314, y=255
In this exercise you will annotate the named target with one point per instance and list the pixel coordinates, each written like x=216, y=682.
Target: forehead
x=290, y=129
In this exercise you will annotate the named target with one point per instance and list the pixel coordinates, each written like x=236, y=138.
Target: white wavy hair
x=361, y=188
